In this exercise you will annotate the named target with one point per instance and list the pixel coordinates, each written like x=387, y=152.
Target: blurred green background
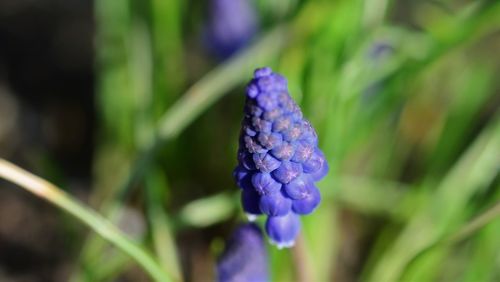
x=121, y=103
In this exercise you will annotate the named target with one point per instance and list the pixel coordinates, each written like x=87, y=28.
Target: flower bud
x=244, y=257
x=278, y=159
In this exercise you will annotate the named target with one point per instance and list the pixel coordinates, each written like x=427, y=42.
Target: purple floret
x=231, y=26
x=307, y=203
x=278, y=160
x=283, y=230
x=250, y=200
x=265, y=184
x=299, y=187
x=244, y=257
x=275, y=204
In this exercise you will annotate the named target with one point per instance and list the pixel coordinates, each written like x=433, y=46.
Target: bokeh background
x=134, y=107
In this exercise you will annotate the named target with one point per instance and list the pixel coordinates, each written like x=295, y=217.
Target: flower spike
x=278, y=160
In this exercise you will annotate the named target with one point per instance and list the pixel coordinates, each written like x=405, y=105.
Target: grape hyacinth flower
x=244, y=258
x=378, y=55
x=278, y=158
x=231, y=26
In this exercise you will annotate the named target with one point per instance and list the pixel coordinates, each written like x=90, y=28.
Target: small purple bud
x=249, y=130
x=261, y=72
x=283, y=230
x=272, y=114
x=252, y=91
x=261, y=125
x=293, y=133
x=250, y=201
x=252, y=146
x=270, y=140
x=380, y=50
x=264, y=184
x=289, y=107
x=266, y=101
x=303, y=152
x=275, y=204
x=266, y=84
x=243, y=177
x=280, y=82
x=296, y=113
x=283, y=152
x=287, y=172
x=283, y=123
x=299, y=188
x=284, y=98
x=265, y=162
x=378, y=55
x=308, y=133
x=314, y=163
x=244, y=257
x=246, y=160
x=322, y=172
x=232, y=25
x=307, y=204
x=254, y=110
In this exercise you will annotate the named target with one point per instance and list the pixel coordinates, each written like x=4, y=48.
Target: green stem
x=463, y=233
x=301, y=261
x=46, y=190
x=468, y=229
x=162, y=238
x=476, y=224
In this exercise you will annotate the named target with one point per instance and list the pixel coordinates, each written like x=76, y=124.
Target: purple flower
x=278, y=160
x=250, y=200
x=308, y=202
x=244, y=258
x=265, y=184
x=282, y=230
x=377, y=56
x=275, y=204
x=231, y=26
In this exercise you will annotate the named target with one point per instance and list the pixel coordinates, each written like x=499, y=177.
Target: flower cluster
x=278, y=158
x=244, y=257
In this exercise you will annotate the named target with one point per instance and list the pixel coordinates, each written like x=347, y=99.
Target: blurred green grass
x=412, y=137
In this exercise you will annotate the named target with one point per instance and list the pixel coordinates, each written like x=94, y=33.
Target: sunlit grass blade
x=159, y=222
x=476, y=168
x=47, y=191
x=482, y=263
